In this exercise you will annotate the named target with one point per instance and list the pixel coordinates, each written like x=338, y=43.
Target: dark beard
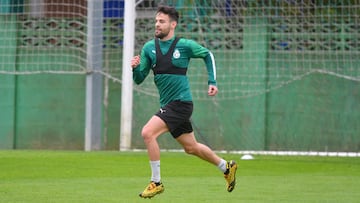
x=161, y=35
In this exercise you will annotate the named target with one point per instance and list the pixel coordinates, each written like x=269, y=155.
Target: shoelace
x=151, y=186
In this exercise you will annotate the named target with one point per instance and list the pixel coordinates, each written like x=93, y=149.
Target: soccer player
x=168, y=57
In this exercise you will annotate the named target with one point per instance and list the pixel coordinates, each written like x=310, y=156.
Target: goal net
x=265, y=45
x=40, y=36
x=288, y=71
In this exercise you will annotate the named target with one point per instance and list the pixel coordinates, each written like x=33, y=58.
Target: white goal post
x=127, y=83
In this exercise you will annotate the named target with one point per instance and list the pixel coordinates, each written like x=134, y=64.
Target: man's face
x=163, y=25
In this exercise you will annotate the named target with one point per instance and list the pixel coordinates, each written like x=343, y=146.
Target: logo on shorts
x=162, y=110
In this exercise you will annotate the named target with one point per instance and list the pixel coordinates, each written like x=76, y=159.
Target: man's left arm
x=211, y=68
x=199, y=51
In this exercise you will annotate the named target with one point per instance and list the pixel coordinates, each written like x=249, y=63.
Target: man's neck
x=168, y=37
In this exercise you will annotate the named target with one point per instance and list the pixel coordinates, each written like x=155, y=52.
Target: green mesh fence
x=288, y=74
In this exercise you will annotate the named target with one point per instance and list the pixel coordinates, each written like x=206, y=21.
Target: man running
x=168, y=57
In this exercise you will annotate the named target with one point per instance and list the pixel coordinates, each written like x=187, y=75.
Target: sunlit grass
x=76, y=176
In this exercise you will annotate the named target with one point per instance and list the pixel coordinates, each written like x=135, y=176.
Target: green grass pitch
x=76, y=176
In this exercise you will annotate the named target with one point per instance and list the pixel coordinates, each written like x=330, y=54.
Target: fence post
x=94, y=80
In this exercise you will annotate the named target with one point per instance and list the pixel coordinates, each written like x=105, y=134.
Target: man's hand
x=213, y=90
x=135, y=61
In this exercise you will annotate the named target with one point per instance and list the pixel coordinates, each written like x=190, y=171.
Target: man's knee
x=191, y=149
x=146, y=134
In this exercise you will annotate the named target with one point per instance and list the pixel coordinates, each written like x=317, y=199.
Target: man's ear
x=173, y=24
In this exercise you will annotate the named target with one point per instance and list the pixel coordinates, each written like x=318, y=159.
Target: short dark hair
x=170, y=11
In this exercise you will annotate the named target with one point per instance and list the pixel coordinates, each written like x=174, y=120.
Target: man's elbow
x=138, y=81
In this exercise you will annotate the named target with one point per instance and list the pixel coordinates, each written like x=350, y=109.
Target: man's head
x=165, y=22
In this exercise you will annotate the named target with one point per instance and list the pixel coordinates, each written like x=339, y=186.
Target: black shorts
x=177, y=115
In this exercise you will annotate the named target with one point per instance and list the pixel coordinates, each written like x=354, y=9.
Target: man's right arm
x=140, y=66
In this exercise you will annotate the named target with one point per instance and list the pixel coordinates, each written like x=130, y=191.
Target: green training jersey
x=173, y=87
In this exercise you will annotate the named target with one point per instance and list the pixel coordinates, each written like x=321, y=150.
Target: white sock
x=155, y=171
x=222, y=165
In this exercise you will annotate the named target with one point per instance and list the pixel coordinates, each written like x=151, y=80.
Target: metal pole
x=94, y=80
x=127, y=83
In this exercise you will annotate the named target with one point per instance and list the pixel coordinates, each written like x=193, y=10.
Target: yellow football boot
x=152, y=189
x=229, y=175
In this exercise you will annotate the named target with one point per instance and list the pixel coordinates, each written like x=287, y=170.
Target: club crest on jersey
x=176, y=54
